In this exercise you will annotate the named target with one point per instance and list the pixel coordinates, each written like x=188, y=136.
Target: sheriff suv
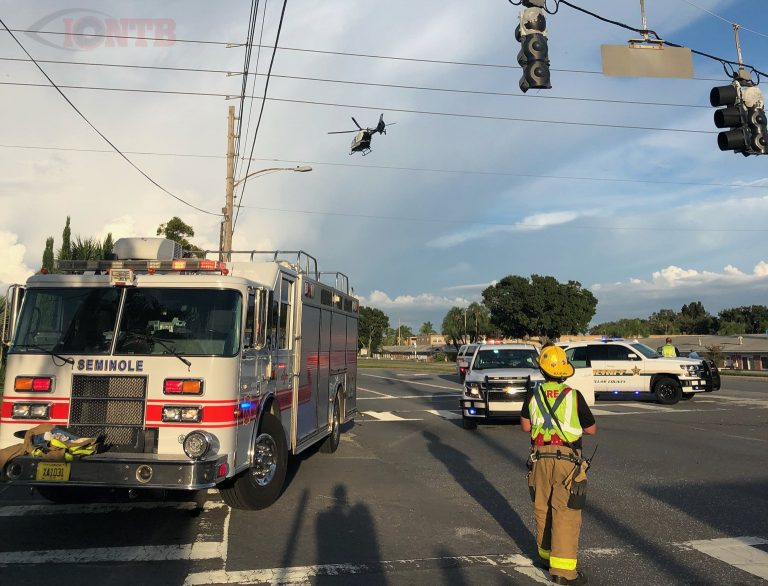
x=464, y=359
x=619, y=366
x=497, y=381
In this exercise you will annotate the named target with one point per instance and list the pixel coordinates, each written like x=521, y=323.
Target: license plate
x=52, y=472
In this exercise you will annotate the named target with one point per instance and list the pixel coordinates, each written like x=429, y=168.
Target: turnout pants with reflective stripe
x=557, y=526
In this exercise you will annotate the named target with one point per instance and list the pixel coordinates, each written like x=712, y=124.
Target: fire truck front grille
x=108, y=406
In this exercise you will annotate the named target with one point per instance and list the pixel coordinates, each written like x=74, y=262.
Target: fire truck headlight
x=182, y=413
x=199, y=444
x=31, y=411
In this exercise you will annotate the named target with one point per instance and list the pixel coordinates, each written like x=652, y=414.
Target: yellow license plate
x=52, y=472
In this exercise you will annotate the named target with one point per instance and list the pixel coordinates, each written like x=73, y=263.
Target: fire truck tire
x=668, y=391
x=261, y=485
x=331, y=443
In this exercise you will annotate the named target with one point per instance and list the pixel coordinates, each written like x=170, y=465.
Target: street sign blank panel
x=647, y=61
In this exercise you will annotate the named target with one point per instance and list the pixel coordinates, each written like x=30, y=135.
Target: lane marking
x=413, y=382
x=144, y=553
x=304, y=574
x=445, y=414
x=386, y=416
x=737, y=552
x=375, y=393
x=99, y=508
x=436, y=397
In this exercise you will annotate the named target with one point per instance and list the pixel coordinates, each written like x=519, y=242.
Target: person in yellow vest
x=556, y=417
x=668, y=350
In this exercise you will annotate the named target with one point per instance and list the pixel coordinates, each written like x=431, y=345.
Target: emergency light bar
x=186, y=264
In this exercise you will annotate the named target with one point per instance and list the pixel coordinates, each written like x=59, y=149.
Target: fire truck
x=191, y=372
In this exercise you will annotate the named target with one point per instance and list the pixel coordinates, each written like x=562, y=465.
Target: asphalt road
x=678, y=495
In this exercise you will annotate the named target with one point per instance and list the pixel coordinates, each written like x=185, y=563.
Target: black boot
x=577, y=581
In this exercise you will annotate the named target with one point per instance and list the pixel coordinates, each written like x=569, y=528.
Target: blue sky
x=629, y=214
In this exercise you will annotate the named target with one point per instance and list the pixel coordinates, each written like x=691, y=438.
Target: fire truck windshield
x=155, y=321
x=67, y=320
x=190, y=322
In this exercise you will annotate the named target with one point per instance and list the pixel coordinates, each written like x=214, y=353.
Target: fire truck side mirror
x=11, y=313
x=255, y=335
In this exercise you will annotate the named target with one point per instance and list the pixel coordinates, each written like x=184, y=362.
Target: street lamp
x=227, y=227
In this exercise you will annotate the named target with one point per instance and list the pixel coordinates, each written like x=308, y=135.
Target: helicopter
x=361, y=143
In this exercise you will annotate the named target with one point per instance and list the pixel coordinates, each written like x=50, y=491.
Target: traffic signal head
x=533, y=57
x=744, y=114
x=732, y=116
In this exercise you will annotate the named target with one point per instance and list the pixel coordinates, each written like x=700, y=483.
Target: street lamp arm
x=300, y=169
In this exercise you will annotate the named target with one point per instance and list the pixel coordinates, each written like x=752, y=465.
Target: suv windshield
x=645, y=350
x=505, y=358
x=68, y=320
x=190, y=322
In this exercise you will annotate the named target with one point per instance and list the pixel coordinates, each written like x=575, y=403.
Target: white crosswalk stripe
x=737, y=552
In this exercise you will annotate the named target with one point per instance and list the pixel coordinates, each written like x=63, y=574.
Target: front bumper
x=696, y=385
x=480, y=408
x=121, y=471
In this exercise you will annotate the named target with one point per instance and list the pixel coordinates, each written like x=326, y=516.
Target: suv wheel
x=468, y=423
x=668, y=391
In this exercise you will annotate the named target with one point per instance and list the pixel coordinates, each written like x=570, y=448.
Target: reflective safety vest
x=563, y=402
x=668, y=351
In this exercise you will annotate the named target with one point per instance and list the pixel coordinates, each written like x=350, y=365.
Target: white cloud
x=530, y=223
x=425, y=301
x=12, y=267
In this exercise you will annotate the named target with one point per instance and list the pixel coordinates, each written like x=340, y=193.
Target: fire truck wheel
x=261, y=485
x=668, y=391
x=331, y=443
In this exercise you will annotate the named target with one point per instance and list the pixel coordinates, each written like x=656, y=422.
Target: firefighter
x=556, y=417
x=668, y=350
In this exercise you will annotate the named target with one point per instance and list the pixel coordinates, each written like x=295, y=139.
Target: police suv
x=497, y=381
x=620, y=366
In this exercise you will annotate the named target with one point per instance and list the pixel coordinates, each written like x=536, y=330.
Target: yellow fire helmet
x=554, y=364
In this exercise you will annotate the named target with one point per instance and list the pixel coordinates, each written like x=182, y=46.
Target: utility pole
x=225, y=242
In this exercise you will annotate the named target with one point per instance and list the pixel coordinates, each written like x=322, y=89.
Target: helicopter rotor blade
x=343, y=131
x=356, y=123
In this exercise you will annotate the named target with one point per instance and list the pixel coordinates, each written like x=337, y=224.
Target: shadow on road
x=479, y=488
x=346, y=531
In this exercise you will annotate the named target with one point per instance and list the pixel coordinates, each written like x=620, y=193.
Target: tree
x=48, y=255
x=107, y=245
x=694, y=319
x=427, y=328
x=453, y=326
x=403, y=334
x=177, y=230
x=539, y=306
x=86, y=249
x=371, y=326
x=753, y=319
x=623, y=328
x=663, y=322
x=65, y=252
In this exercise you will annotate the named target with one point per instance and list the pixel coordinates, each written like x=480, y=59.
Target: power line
x=743, y=28
x=102, y=135
x=261, y=111
x=409, y=169
x=401, y=86
x=386, y=109
x=246, y=72
x=337, y=53
x=470, y=223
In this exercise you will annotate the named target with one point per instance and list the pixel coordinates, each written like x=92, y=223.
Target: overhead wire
x=261, y=111
x=527, y=226
x=406, y=168
x=731, y=22
x=514, y=66
x=101, y=134
x=386, y=109
x=245, y=73
x=386, y=85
